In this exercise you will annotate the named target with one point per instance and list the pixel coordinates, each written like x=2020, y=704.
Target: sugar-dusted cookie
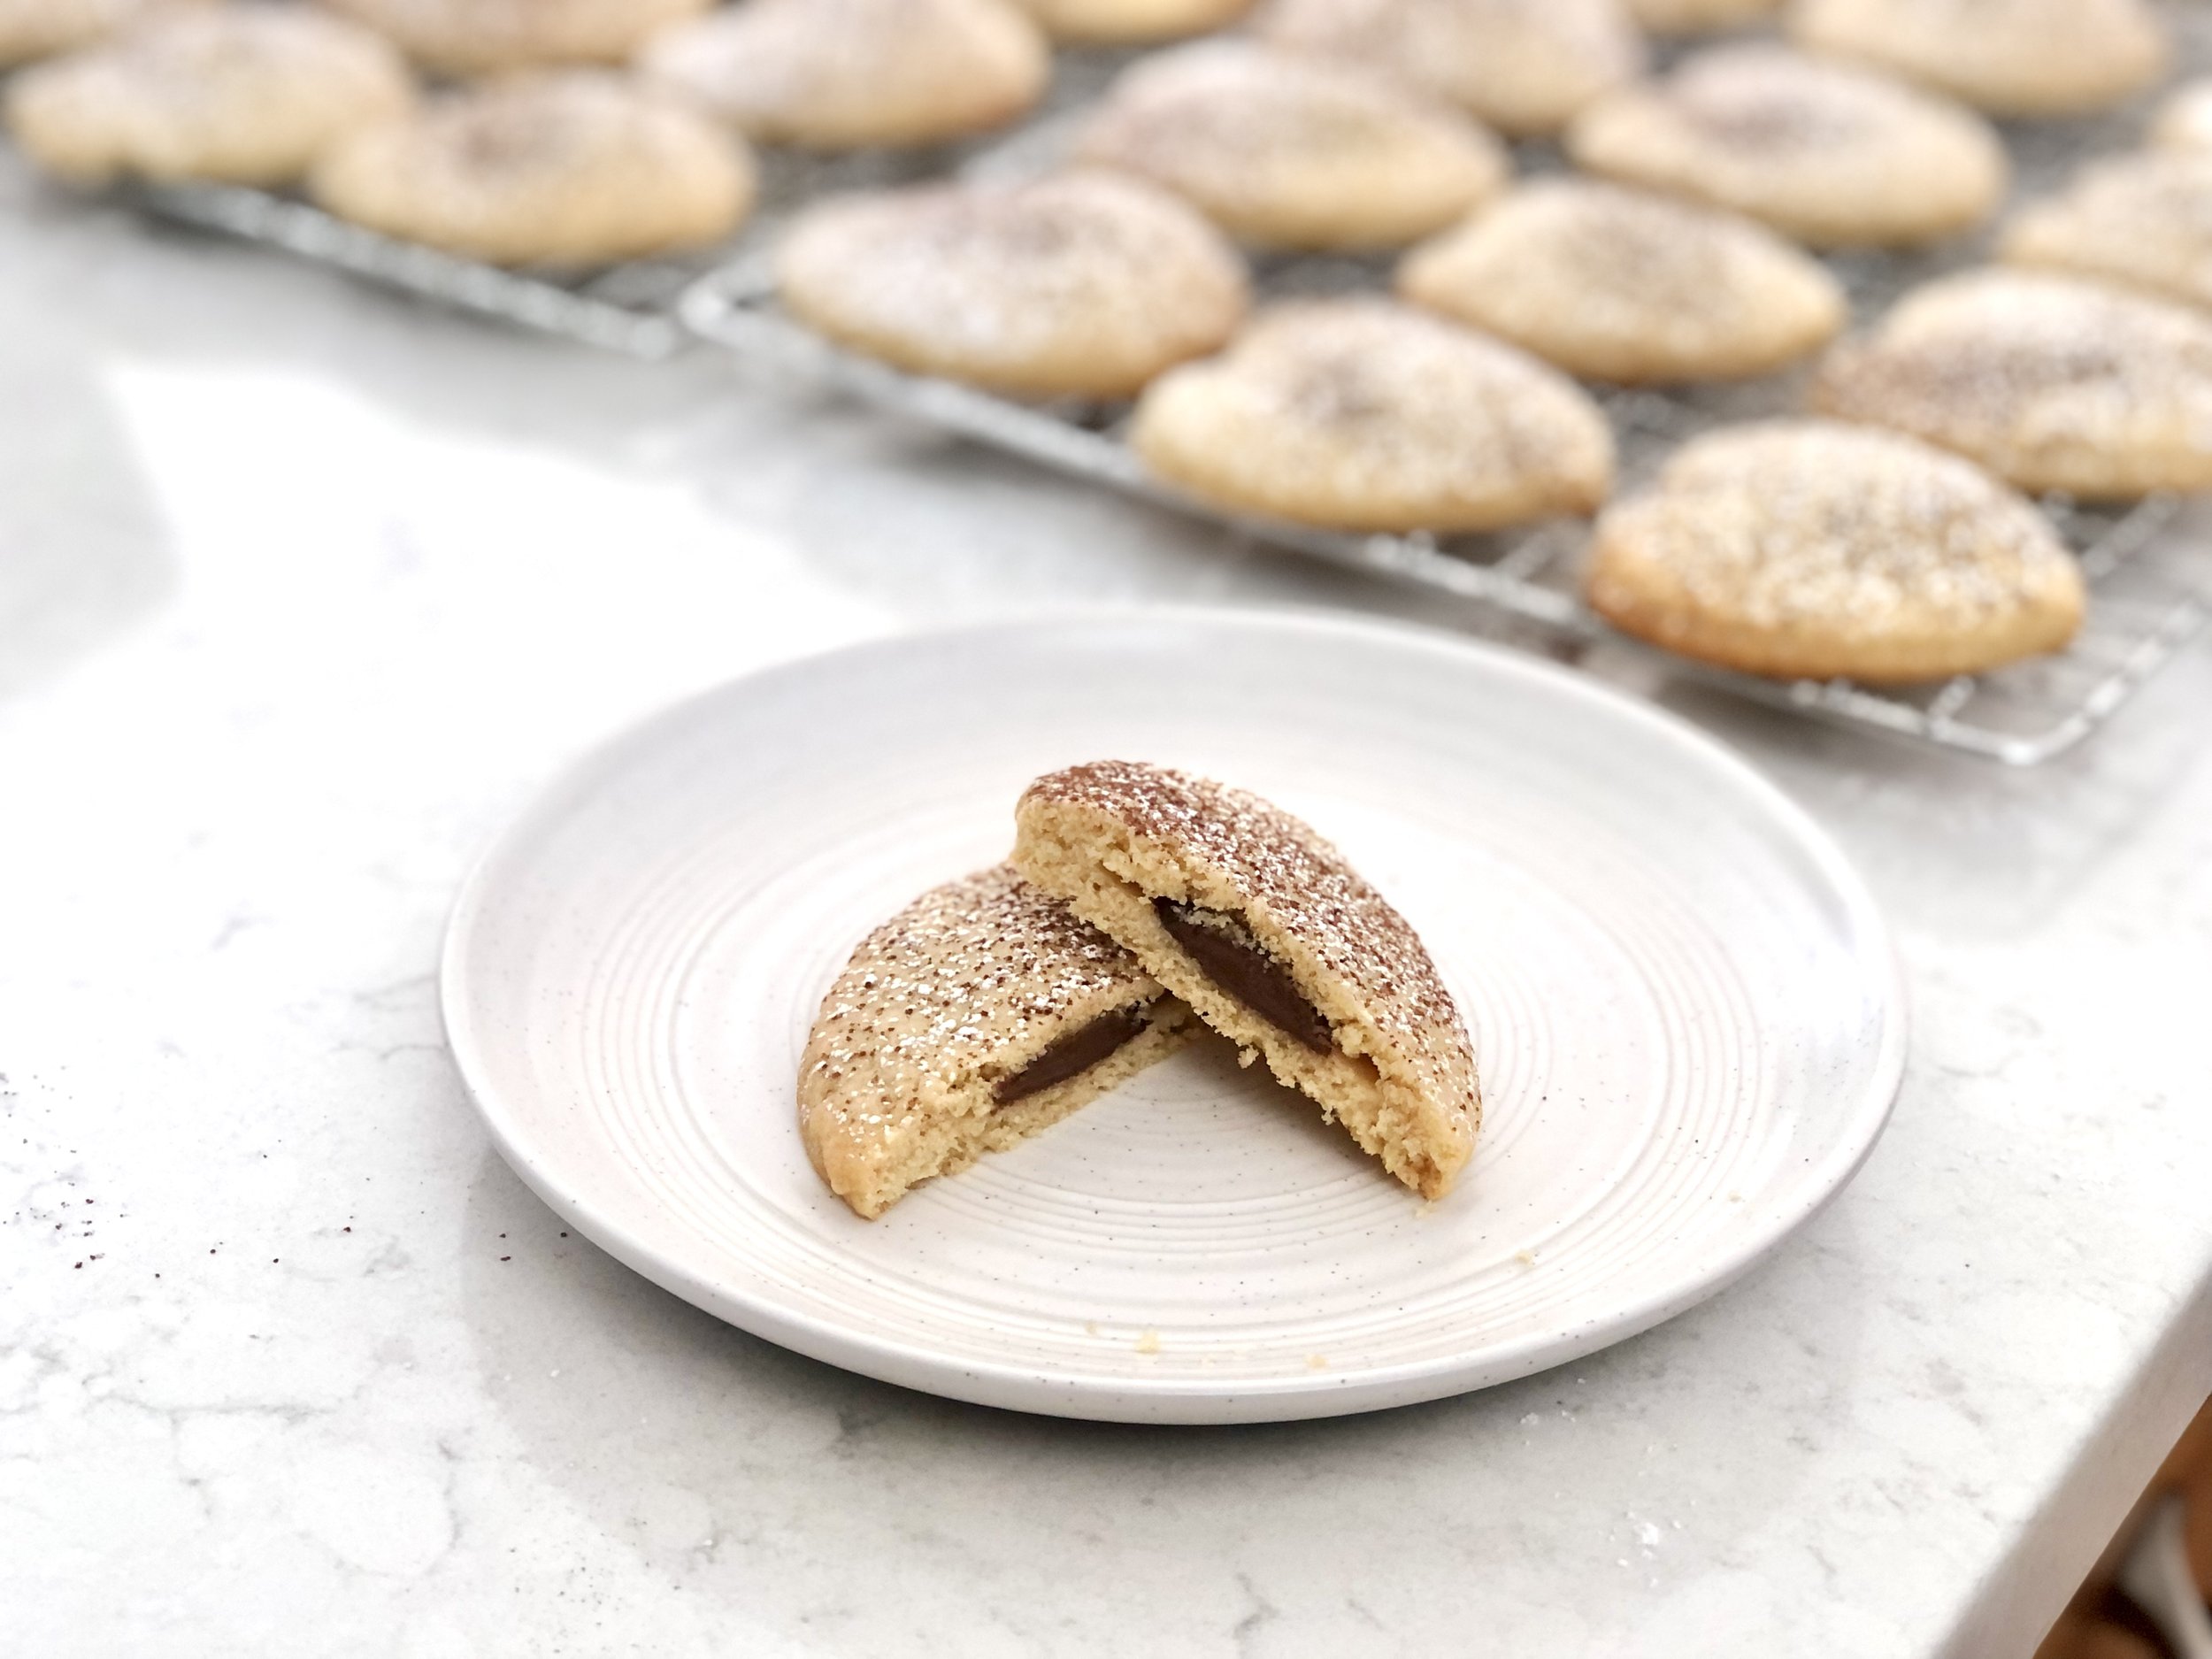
x=1815, y=550
x=1360, y=414
x=2184, y=120
x=1617, y=284
x=1700, y=17
x=980, y=1014
x=2051, y=382
x=1524, y=66
x=1132, y=22
x=2143, y=220
x=33, y=29
x=1283, y=150
x=561, y=167
x=246, y=95
x=1275, y=941
x=2007, y=57
x=1079, y=284
x=475, y=37
x=852, y=75
x=1831, y=155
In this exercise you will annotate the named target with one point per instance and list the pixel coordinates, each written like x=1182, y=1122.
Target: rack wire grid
x=2149, y=568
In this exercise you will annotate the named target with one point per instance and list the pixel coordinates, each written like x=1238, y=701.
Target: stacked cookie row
x=1138, y=903
x=1865, y=543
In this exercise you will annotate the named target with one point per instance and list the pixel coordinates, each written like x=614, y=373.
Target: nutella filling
x=1226, y=953
x=1078, y=1051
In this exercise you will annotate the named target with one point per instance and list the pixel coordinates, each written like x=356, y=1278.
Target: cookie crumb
x=1148, y=1342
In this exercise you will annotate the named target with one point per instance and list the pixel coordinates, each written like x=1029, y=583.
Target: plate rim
x=1193, y=1399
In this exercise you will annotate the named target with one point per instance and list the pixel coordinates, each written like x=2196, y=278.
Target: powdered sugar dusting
x=1290, y=878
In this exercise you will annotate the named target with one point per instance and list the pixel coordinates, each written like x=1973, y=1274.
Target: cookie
x=2014, y=57
x=563, y=168
x=1080, y=284
x=1359, y=414
x=1523, y=67
x=1289, y=151
x=1614, y=284
x=1132, y=22
x=2185, y=120
x=2051, y=382
x=1828, y=154
x=2144, y=221
x=1700, y=17
x=850, y=74
x=1274, y=940
x=244, y=94
x=1808, y=550
x=475, y=38
x=33, y=29
x=980, y=1014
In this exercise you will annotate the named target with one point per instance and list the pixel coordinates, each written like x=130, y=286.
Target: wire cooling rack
x=2151, y=582
x=2150, y=568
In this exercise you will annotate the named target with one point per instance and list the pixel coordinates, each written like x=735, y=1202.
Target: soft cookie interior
x=1248, y=978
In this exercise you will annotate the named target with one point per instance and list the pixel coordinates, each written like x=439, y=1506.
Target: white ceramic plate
x=1683, y=1005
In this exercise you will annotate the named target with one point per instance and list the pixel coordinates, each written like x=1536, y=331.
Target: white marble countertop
x=302, y=590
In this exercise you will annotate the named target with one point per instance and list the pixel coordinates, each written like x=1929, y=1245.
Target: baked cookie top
x=1288, y=150
x=31, y=29
x=246, y=95
x=1267, y=871
x=475, y=37
x=2142, y=221
x=1619, y=284
x=848, y=74
x=1809, y=548
x=1524, y=66
x=1823, y=152
x=565, y=167
x=1363, y=414
x=1132, y=22
x=1078, y=284
x=2007, y=57
x=971, y=980
x=981, y=1013
x=2052, y=382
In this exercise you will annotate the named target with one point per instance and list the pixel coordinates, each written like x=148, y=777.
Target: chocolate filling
x=1078, y=1051
x=1226, y=953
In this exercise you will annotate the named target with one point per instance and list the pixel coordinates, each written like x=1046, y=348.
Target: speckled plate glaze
x=1684, y=1004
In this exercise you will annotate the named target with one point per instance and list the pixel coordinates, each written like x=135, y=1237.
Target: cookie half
x=1829, y=154
x=1360, y=414
x=2015, y=57
x=1286, y=150
x=2142, y=221
x=1523, y=67
x=476, y=37
x=33, y=29
x=1084, y=284
x=980, y=1014
x=850, y=74
x=1132, y=22
x=1621, y=285
x=1277, y=942
x=2051, y=382
x=1810, y=550
x=242, y=94
x=563, y=168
